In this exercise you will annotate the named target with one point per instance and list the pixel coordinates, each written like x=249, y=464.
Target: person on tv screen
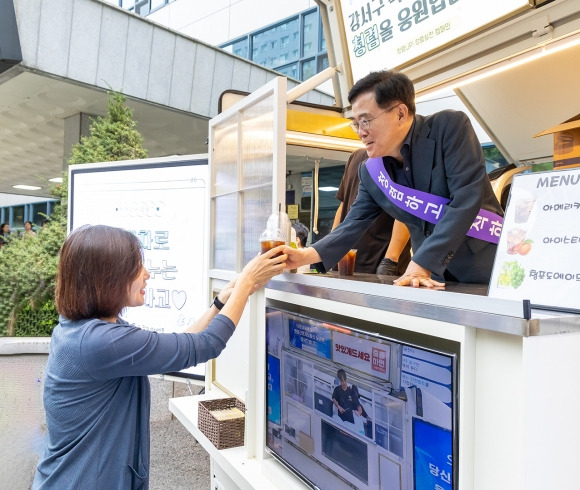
x=96, y=390
x=346, y=399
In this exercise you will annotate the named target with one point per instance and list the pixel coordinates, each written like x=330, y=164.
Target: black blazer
x=446, y=160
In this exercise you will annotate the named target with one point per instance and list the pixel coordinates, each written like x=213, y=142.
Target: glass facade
x=17, y=215
x=295, y=46
x=143, y=7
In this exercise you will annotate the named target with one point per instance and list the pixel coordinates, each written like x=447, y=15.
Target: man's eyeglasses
x=365, y=124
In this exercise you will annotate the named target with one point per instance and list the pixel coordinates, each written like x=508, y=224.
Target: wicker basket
x=222, y=433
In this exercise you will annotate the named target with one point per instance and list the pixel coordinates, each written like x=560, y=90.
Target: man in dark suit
x=435, y=162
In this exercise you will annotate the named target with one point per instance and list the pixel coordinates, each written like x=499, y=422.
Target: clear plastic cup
x=346, y=264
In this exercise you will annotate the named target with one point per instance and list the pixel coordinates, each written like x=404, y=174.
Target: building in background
x=56, y=66
x=288, y=38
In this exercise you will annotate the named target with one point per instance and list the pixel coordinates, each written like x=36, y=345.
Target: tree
x=28, y=265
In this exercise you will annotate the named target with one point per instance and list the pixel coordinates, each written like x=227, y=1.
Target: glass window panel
x=290, y=71
x=142, y=8
x=381, y=410
x=225, y=138
x=239, y=48
x=276, y=42
x=310, y=40
x=257, y=207
x=323, y=62
x=396, y=414
x=245, y=169
x=155, y=4
x=225, y=239
x=263, y=40
x=396, y=442
x=39, y=212
x=18, y=217
x=308, y=69
x=258, y=144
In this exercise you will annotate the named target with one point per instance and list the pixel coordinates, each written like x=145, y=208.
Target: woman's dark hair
x=388, y=87
x=97, y=265
x=2, y=227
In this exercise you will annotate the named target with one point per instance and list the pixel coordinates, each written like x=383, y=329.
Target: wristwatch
x=217, y=303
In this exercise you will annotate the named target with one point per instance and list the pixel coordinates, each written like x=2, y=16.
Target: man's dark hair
x=388, y=86
x=301, y=232
x=341, y=374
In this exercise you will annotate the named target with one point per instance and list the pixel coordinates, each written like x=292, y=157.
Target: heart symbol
x=179, y=298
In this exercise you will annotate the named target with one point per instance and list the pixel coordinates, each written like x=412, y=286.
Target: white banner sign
x=537, y=256
x=363, y=355
x=163, y=204
x=384, y=34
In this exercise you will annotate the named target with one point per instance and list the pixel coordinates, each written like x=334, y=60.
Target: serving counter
x=515, y=398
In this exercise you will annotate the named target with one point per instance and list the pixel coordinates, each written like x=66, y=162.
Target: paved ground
x=178, y=462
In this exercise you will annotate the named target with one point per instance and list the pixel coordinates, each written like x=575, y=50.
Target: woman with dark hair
x=28, y=231
x=4, y=234
x=96, y=392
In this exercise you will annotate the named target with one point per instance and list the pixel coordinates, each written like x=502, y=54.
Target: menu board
x=537, y=256
x=163, y=202
x=388, y=33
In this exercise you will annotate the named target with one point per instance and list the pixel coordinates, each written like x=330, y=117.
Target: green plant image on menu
x=512, y=274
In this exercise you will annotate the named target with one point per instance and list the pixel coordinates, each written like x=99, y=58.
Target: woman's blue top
x=97, y=398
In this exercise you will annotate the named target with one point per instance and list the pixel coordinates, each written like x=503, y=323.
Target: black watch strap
x=217, y=303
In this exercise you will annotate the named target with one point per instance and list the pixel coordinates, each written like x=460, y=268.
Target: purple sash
x=428, y=207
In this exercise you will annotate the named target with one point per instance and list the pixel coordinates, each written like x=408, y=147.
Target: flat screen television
x=355, y=404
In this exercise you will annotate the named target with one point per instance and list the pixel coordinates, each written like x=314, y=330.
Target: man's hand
x=388, y=267
x=300, y=256
x=417, y=276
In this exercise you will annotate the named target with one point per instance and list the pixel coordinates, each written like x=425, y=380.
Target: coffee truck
x=450, y=389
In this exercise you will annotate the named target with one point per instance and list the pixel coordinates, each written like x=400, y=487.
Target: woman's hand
x=234, y=294
x=263, y=267
x=226, y=291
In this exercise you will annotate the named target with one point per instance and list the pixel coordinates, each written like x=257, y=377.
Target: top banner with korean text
x=385, y=34
x=162, y=202
x=539, y=247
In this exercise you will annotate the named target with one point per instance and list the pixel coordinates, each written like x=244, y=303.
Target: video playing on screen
x=348, y=408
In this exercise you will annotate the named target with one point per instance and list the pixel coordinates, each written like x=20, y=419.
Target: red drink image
x=346, y=264
x=515, y=239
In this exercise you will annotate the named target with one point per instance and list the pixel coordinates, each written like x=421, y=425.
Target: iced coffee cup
x=524, y=205
x=346, y=264
x=271, y=238
x=266, y=245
